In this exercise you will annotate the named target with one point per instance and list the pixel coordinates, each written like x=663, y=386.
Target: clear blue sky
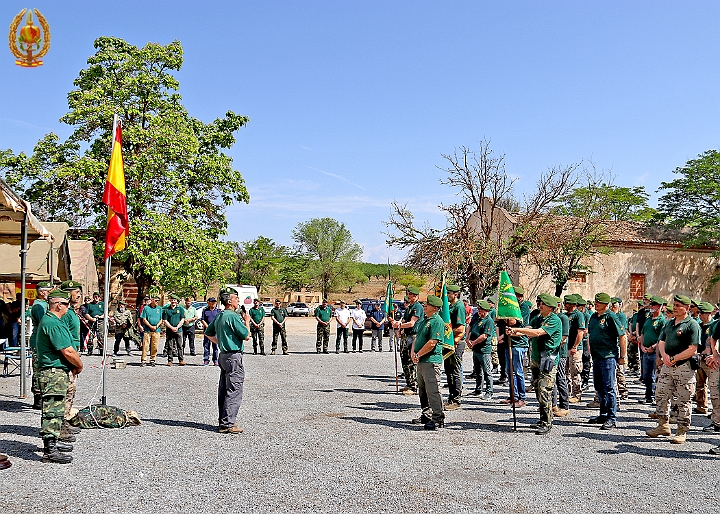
x=351, y=104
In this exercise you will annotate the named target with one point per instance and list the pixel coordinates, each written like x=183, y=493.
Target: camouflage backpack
x=104, y=416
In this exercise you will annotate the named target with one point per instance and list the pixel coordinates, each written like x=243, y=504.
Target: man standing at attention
x=426, y=353
x=378, y=319
x=94, y=311
x=358, y=325
x=323, y=313
x=72, y=321
x=208, y=315
x=575, y=345
x=608, y=347
x=482, y=331
x=152, y=319
x=229, y=330
x=173, y=317
x=453, y=364
x=188, y=328
x=342, y=315
x=413, y=313
x=36, y=315
x=122, y=320
x=278, y=315
x=257, y=327
x=56, y=356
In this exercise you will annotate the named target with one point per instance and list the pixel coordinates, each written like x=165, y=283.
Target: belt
x=680, y=363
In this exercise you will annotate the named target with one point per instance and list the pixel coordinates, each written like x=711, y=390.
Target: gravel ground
x=328, y=433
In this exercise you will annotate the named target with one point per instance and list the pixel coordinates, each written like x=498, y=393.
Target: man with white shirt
x=342, y=315
x=358, y=325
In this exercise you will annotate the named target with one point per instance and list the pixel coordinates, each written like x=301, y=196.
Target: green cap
x=121, y=303
x=434, y=301
x=228, y=290
x=647, y=296
x=59, y=294
x=615, y=299
x=549, y=300
x=454, y=288
x=685, y=300
x=602, y=298
x=569, y=298
x=482, y=304
x=694, y=302
x=70, y=285
x=519, y=290
x=658, y=300
x=706, y=307
x=413, y=290
x=579, y=300
x=44, y=285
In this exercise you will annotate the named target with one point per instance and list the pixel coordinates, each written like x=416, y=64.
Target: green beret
x=658, y=300
x=549, y=300
x=228, y=290
x=454, y=288
x=70, y=285
x=706, y=307
x=615, y=299
x=694, y=302
x=602, y=298
x=96, y=293
x=519, y=290
x=482, y=304
x=434, y=301
x=681, y=298
x=413, y=290
x=59, y=294
x=121, y=303
x=570, y=298
x=579, y=300
x=44, y=285
x=648, y=296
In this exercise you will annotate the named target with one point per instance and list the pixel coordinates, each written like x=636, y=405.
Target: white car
x=267, y=307
x=298, y=309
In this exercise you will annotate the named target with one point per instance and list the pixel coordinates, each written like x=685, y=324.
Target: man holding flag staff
x=453, y=363
x=413, y=314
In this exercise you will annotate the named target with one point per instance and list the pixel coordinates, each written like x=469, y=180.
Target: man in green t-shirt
x=608, y=347
x=56, y=356
x=72, y=321
x=561, y=393
x=616, y=307
x=94, y=313
x=278, y=315
x=174, y=317
x=37, y=312
x=257, y=327
x=413, y=313
x=151, y=318
x=426, y=353
x=677, y=345
x=575, y=345
x=188, y=328
x=547, y=338
x=229, y=330
x=482, y=332
x=323, y=315
x=453, y=364
x=649, y=337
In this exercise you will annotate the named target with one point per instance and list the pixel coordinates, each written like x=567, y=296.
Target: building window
x=637, y=286
x=578, y=276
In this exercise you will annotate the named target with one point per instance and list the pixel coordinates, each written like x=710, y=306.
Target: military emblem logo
x=29, y=43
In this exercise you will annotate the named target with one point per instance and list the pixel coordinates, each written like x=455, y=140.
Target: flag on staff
x=389, y=300
x=508, y=306
x=448, y=345
x=118, y=228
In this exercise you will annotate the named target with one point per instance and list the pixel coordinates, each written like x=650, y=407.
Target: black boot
x=51, y=453
x=254, y=349
x=262, y=350
x=63, y=447
x=37, y=402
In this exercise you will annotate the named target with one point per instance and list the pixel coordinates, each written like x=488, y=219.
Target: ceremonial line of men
x=678, y=349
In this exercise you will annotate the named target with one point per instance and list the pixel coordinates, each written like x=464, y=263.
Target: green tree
x=175, y=166
x=618, y=203
x=331, y=249
x=258, y=262
x=294, y=272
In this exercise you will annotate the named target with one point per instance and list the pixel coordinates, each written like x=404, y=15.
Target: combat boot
x=680, y=436
x=663, y=428
x=52, y=454
x=37, y=402
x=65, y=435
x=63, y=447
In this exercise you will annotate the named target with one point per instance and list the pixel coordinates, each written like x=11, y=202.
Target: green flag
x=508, y=307
x=448, y=344
x=389, y=299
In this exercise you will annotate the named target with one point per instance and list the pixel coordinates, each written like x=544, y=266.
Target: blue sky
x=351, y=104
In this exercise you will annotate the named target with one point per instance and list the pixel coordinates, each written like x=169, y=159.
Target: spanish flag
x=118, y=228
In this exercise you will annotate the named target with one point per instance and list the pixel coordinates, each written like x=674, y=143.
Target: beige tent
x=82, y=264
x=45, y=259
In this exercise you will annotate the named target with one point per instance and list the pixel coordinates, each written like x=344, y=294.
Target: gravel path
x=327, y=433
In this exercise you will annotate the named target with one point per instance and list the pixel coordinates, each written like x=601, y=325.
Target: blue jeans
x=207, y=344
x=604, y=381
x=483, y=366
x=518, y=354
x=648, y=374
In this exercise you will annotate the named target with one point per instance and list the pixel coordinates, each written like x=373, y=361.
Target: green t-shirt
x=549, y=342
x=414, y=309
x=190, y=313
x=577, y=323
x=525, y=309
x=53, y=336
x=458, y=316
x=173, y=316
x=623, y=319
x=427, y=329
x=679, y=337
x=565, y=333
x=37, y=312
x=479, y=327
x=323, y=314
x=257, y=315
x=279, y=314
x=153, y=315
x=95, y=309
x=652, y=329
x=230, y=330
x=633, y=322
x=604, y=332
x=72, y=321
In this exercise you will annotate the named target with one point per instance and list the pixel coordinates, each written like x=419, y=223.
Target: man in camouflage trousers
x=72, y=321
x=257, y=327
x=36, y=314
x=677, y=345
x=413, y=313
x=323, y=315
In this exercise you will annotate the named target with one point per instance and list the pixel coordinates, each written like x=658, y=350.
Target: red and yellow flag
x=118, y=228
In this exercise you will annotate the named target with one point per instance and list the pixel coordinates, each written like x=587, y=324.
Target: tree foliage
x=610, y=202
x=258, y=262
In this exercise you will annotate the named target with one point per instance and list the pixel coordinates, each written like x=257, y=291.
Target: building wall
x=667, y=271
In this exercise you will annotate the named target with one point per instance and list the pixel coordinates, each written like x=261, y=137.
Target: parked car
x=267, y=307
x=199, y=307
x=298, y=309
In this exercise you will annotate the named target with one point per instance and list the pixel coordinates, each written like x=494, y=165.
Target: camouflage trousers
x=258, y=337
x=53, y=387
x=713, y=377
x=323, y=337
x=543, y=383
x=409, y=367
x=678, y=381
x=633, y=356
x=574, y=372
x=35, y=387
x=620, y=380
x=70, y=396
x=494, y=355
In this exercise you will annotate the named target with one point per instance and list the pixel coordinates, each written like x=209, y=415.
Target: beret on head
x=63, y=295
x=482, y=304
x=413, y=290
x=602, y=298
x=454, y=288
x=706, y=307
x=519, y=290
x=70, y=285
x=434, y=301
x=549, y=300
x=685, y=300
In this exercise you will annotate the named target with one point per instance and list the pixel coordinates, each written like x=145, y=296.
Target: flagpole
x=394, y=332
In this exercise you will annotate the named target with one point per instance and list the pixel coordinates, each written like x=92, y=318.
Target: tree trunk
x=559, y=286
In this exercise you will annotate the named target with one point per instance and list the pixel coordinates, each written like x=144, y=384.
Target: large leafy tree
x=332, y=253
x=258, y=262
x=176, y=171
x=616, y=203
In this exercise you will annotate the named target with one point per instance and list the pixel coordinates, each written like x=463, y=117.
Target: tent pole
x=23, y=263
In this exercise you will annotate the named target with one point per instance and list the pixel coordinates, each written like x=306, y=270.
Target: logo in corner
x=29, y=43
